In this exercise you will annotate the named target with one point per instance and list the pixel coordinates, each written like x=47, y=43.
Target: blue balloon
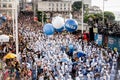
x=48, y=29
x=4, y=18
x=60, y=29
x=71, y=25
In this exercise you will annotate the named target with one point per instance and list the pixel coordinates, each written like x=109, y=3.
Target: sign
x=98, y=39
x=1, y=66
x=95, y=30
x=114, y=42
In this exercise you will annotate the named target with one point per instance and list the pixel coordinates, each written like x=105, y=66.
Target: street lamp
x=103, y=11
x=82, y=15
x=13, y=19
x=16, y=27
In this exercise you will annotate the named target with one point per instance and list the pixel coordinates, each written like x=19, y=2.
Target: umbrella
x=4, y=38
x=80, y=54
x=64, y=60
x=10, y=56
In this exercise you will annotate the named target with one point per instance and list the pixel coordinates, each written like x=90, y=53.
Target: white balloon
x=58, y=22
x=76, y=22
x=1, y=15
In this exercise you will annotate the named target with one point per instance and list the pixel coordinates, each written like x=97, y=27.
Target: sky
x=109, y=5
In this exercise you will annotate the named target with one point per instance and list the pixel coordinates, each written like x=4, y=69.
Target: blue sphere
x=48, y=29
x=60, y=29
x=71, y=25
x=4, y=18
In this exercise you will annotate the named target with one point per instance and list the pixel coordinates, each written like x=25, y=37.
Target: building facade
x=26, y=4
x=7, y=6
x=94, y=10
x=54, y=6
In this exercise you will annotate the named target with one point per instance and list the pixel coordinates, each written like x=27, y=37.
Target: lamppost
x=16, y=26
x=103, y=11
x=13, y=19
x=82, y=15
x=34, y=7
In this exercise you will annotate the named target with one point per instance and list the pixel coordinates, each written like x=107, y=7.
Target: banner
x=118, y=44
x=114, y=42
x=95, y=30
x=98, y=39
x=1, y=66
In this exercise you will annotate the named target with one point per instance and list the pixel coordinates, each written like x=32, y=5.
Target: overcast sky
x=109, y=5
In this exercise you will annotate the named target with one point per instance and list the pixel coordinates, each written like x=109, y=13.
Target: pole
x=42, y=18
x=34, y=7
x=82, y=15
x=70, y=10
x=103, y=13
x=13, y=19
x=16, y=30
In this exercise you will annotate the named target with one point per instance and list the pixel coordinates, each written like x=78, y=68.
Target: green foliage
x=109, y=15
x=77, y=6
x=98, y=16
x=39, y=15
x=86, y=17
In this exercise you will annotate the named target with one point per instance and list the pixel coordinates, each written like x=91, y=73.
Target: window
x=4, y=5
x=9, y=13
x=61, y=4
x=49, y=4
x=53, y=5
x=64, y=4
x=57, y=4
x=68, y=5
x=10, y=5
x=57, y=9
x=52, y=9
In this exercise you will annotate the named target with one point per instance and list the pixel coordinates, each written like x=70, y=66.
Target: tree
x=87, y=17
x=39, y=15
x=109, y=16
x=77, y=6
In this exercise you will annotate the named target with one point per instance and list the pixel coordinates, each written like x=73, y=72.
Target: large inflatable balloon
x=1, y=15
x=58, y=22
x=60, y=29
x=71, y=25
x=48, y=29
x=4, y=18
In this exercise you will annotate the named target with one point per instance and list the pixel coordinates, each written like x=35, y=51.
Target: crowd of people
x=44, y=57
